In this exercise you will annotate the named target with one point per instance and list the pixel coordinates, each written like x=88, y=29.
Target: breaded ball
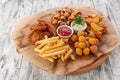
x=54, y=22
x=74, y=37
x=80, y=33
x=81, y=38
x=66, y=14
x=92, y=41
x=76, y=44
x=94, y=49
x=86, y=51
x=78, y=51
x=81, y=45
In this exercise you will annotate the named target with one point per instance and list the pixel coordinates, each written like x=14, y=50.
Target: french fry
x=50, y=59
x=41, y=45
x=37, y=50
x=58, y=56
x=45, y=40
x=68, y=54
x=46, y=37
x=65, y=40
x=55, y=57
x=57, y=49
x=43, y=49
x=55, y=46
x=54, y=53
x=62, y=57
x=72, y=57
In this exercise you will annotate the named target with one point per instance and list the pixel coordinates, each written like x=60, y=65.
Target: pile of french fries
x=54, y=48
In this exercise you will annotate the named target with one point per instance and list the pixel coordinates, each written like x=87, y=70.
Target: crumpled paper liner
x=82, y=63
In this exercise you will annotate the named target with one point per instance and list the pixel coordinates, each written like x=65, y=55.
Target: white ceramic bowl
x=73, y=23
x=66, y=37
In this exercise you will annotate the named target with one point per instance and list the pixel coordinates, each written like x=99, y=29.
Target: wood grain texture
x=14, y=67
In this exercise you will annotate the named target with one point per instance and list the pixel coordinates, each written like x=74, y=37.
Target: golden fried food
x=81, y=38
x=54, y=53
x=86, y=51
x=86, y=43
x=76, y=44
x=74, y=38
x=67, y=55
x=78, y=51
x=97, y=33
x=72, y=57
x=92, y=41
x=63, y=17
x=40, y=29
x=95, y=25
x=49, y=26
x=53, y=48
x=66, y=14
x=37, y=35
x=94, y=49
x=80, y=33
x=81, y=45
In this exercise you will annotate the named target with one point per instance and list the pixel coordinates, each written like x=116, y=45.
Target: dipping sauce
x=78, y=27
x=64, y=31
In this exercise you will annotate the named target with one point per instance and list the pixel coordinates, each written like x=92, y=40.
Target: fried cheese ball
x=74, y=38
x=92, y=41
x=85, y=43
x=76, y=44
x=81, y=45
x=81, y=38
x=80, y=33
x=94, y=49
x=86, y=51
x=78, y=51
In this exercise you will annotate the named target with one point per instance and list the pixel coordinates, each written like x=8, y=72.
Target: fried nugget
x=38, y=27
x=37, y=35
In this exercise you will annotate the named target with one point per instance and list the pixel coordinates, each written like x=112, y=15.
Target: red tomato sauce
x=64, y=31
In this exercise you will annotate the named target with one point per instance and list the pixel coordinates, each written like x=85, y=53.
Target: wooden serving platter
x=81, y=64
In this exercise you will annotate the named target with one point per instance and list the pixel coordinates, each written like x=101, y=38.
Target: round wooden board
x=81, y=64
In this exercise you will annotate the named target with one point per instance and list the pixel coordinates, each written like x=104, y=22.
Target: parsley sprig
x=78, y=20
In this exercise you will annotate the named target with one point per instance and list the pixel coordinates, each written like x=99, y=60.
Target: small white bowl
x=66, y=37
x=77, y=29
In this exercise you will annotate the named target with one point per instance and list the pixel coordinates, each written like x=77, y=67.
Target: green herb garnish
x=78, y=20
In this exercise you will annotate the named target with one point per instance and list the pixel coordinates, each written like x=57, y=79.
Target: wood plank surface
x=14, y=67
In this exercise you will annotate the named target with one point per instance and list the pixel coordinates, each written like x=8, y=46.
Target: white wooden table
x=14, y=67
